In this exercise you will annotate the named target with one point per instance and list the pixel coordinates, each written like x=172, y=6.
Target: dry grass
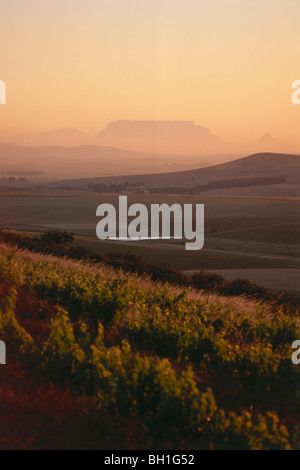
x=237, y=305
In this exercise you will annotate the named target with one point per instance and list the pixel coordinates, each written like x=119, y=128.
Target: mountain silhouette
x=167, y=137
x=174, y=138
x=267, y=143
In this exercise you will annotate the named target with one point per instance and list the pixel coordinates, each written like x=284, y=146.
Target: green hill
x=100, y=359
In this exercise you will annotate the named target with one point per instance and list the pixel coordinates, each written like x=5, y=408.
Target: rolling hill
x=258, y=165
x=56, y=162
x=95, y=356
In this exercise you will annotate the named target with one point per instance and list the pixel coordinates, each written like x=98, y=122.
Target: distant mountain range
x=42, y=164
x=56, y=138
x=180, y=138
x=176, y=138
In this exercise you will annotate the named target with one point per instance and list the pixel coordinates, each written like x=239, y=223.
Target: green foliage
x=167, y=350
x=150, y=388
x=10, y=270
x=61, y=354
x=245, y=432
x=59, y=243
x=11, y=332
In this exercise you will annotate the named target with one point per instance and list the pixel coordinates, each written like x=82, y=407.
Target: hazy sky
x=225, y=64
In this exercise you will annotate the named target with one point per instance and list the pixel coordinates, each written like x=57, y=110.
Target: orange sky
x=225, y=64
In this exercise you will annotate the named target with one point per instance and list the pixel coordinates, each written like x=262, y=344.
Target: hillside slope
x=259, y=165
x=92, y=350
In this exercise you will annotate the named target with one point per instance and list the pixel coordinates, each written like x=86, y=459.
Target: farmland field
x=241, y=233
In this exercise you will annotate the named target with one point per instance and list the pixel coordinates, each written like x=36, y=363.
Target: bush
x=207, y=281
x=61, y=354
x=57, y=237
x=239, y=287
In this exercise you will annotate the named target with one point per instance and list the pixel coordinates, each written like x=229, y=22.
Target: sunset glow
x=226, y=65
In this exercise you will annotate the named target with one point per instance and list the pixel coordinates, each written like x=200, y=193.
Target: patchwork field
x=241, y=233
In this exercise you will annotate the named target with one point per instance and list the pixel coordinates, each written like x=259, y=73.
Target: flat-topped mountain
x=167, y=137
x=173, y=138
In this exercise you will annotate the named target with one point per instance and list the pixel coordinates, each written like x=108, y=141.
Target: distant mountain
x=59, y=137
x=258, y=165
x=166, y=137
x=42, y=154
x=54, y=162
x=174, y=138
x=267, y=143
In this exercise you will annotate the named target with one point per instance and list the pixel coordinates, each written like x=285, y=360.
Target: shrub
x=207, y=281
x=61, y=354
x=57, y=237
x=239, y=287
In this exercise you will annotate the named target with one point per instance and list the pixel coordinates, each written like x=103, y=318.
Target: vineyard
x=97, y=358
